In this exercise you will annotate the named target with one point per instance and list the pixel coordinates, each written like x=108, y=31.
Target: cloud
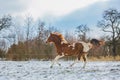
x=13, y=7
x=89, y=15
x=40, y=8
x=57, y=7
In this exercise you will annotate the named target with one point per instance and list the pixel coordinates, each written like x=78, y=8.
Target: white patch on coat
x=73, y=45
x=86, y=46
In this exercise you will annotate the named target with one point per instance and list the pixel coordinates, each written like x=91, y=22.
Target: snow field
x=40, y=70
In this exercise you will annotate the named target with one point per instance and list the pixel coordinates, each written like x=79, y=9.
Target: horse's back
x=79, y=46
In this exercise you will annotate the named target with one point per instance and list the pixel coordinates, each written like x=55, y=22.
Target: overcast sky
x=66, y=15
x=41, y=8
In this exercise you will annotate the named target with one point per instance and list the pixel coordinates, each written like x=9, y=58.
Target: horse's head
x=97, y=43
x=50, y=38
x=56, y=37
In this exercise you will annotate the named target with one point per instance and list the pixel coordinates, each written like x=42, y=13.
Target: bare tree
x=81, y=31
x=2, y=49
x=53, y=29
x=41, y=29
x=111, y=24
x=5, y=22
x=70, y=37
x=19, y=33
x=28, y=23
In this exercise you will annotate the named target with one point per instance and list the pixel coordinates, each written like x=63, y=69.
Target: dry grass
x=107, y=58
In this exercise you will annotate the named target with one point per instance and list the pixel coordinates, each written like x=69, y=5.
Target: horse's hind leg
x=74, y=63
x=77, y=60
x=85, y=60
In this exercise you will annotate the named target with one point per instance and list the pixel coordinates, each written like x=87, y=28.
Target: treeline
x=29, y=43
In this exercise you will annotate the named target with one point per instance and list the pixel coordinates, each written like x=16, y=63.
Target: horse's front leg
x=56, y=60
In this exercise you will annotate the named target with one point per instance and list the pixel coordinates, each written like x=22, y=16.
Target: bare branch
x=5, y=22
x=107, y=31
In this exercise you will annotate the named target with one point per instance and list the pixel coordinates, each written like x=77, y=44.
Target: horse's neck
x=60, y=45
x=57, y=44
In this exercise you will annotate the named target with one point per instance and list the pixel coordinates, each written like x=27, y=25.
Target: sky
x=65, y=15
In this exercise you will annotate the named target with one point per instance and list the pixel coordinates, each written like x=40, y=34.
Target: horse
x=78, y=49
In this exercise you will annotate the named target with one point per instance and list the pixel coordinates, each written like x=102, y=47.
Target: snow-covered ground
x=40, y=70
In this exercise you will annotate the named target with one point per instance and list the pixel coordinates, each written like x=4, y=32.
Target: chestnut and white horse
x=79, y=49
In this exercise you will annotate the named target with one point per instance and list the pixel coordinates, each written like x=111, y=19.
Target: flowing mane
x=61, y=37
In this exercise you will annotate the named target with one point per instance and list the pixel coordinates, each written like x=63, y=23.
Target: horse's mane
x=61, y=37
